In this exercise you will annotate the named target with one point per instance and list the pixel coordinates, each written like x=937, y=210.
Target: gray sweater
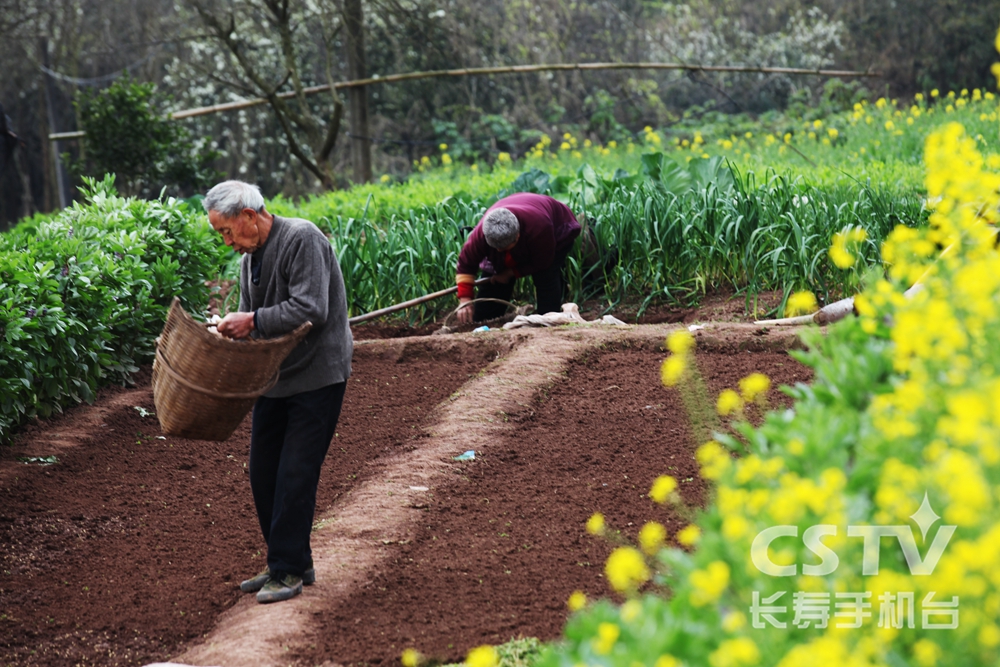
x=300, y=281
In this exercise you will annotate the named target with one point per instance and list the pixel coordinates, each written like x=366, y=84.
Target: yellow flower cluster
x=595, y=524
x=663, y=488
x=680, y=343
x=843, y=242
x=626, y=569
x=709, y=584
x=801, y=303
x=901, y=430
x=482, y=656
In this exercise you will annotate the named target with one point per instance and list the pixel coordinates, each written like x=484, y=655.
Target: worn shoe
x=254, y=584
x=280, y=586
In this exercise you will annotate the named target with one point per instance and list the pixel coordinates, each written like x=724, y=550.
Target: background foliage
x=145, y=152
x=918, y=44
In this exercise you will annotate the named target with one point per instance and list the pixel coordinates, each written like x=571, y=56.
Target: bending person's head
x=501, y=229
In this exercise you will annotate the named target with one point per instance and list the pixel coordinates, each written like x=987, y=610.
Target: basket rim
x=230, y=344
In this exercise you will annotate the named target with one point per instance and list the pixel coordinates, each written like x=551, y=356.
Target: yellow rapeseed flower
x=801, y=303
x=482, y=656
x=445, y=159
x=503, y=157
x=673, y=369
x=728, y=403
x=926, y=652
x=714, y=460
x=607, y=636
x=709, y=584
x=680, y=341
x=651, y=537
x=734, y=621
x=595, y=524
x=577, y=601
x=754, y=386
x=626, y=569
x=667, y=660
x=689, y=535
x=739, y=652
x=839, y=254
x=662, y=487
x=411, y=658
x=443, y=147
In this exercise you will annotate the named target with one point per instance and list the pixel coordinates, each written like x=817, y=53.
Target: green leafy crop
x=84, y=294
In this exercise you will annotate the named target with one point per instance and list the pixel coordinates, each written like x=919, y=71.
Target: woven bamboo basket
x=204, y=384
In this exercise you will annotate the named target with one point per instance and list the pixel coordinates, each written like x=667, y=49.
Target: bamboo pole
x=407, y=304
x=509, y=69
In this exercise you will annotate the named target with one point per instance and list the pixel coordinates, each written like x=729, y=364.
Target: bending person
x=521, y=235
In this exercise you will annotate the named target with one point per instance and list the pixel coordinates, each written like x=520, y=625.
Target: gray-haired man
x=521, y=235
x=289, y=275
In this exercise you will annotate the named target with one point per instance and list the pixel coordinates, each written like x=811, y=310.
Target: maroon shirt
x=547, y=227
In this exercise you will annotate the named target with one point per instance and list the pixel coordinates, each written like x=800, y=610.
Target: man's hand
x=464, y=315
x=503, y=277
x=236, y=325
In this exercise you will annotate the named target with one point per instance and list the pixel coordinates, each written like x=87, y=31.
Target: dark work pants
x=288, y=443
x=549, y=288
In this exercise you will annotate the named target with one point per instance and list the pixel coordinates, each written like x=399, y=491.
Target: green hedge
x=85, y=292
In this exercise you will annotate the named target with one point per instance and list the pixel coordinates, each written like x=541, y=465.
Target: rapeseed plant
x=897, y=436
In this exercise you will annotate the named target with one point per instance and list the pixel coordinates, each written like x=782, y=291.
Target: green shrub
x=85, y=292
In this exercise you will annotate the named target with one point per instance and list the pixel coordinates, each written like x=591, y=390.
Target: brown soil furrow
x=352, y=539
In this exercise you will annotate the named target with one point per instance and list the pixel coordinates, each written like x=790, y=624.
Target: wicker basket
x=204, y=384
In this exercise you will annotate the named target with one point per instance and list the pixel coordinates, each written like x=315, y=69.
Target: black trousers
x=288, y=442
x=549, y=288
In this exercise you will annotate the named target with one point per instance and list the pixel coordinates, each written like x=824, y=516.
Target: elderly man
x=288, y=275
x=521, y=235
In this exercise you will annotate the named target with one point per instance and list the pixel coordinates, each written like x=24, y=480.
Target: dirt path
x=352, y=541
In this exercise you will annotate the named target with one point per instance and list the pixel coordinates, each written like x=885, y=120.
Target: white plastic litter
x=570, y=315
x=695, y=327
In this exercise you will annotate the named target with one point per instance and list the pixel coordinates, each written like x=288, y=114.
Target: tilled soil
x=501, y=547
x=134, y=543
x=131, y=545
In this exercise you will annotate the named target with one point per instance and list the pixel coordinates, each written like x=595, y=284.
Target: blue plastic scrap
x=481, y=329
x=466, y=456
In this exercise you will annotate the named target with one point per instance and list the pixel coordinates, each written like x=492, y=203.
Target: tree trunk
x=361, y=147
x=62, y=178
